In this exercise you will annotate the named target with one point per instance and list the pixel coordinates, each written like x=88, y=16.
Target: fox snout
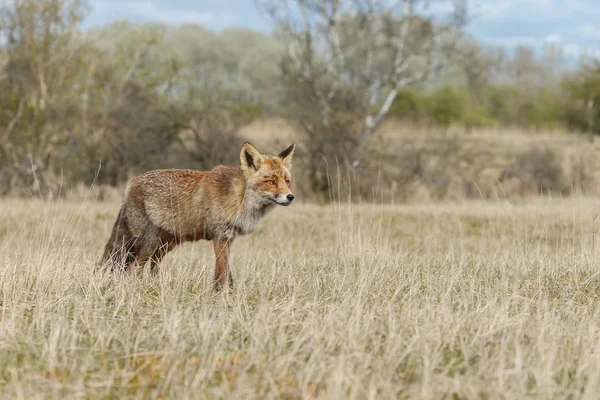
x=283, y=200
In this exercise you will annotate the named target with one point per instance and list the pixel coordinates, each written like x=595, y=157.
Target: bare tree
x=478, y=65
x=525, y=68
x=353, y=56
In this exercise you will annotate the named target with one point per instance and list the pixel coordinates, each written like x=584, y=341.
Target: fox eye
x=270, y=182
x=287, y=181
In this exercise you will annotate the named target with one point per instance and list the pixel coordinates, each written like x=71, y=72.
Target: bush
x=408, y=105
x=476, y=117
x=245, y=113
x=583, y=109
x=446, y=106
x=502, y=104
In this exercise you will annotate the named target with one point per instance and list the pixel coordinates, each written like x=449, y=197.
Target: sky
x=573, y=24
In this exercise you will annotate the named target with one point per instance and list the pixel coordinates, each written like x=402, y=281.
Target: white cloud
x=579, y=51
x=571, y=50
x=589, y=7
x=492, y=10
x=591, y=31
x=439, y=7
x=498, y=10
x=149, y=10
x=512, y=41
x=541, y=3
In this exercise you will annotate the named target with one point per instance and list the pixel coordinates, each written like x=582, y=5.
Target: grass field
x=456, y=301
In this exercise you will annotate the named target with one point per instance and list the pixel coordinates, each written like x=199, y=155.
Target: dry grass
x=477, y=300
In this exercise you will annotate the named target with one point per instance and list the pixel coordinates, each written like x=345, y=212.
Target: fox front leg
x=222, y=271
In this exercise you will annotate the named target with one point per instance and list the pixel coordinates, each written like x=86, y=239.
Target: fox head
x=268, y=178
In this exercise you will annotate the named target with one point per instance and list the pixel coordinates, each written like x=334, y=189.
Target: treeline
x=501, y=106
x=521, y=89
x=97, y=105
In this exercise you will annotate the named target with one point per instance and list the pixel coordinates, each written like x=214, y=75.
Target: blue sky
x=575, y=24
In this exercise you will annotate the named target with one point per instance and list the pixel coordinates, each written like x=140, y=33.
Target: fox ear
x=250, y=157
x=286, y=156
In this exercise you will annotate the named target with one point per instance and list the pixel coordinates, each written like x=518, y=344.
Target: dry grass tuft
x=479, y=300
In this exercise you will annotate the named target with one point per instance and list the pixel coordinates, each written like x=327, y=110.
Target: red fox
x=163, y=208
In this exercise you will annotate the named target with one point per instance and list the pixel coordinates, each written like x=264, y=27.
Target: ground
x=457, y=301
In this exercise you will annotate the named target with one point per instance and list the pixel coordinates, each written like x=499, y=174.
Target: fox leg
x=147, y=245
x=158, y=255
x=143, y=255
x=222, y=272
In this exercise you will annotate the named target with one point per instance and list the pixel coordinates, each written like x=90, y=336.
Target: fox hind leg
x=147, y=246
x=158, y=255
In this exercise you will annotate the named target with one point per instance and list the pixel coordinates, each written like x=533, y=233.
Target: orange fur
x=163, y=208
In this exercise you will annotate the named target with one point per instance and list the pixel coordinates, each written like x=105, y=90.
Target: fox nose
x=290, y=197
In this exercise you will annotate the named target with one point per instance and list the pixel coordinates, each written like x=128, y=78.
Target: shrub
x=408, y=105
x=446, y=106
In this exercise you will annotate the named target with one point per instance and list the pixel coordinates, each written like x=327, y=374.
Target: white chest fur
x=247, y=221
